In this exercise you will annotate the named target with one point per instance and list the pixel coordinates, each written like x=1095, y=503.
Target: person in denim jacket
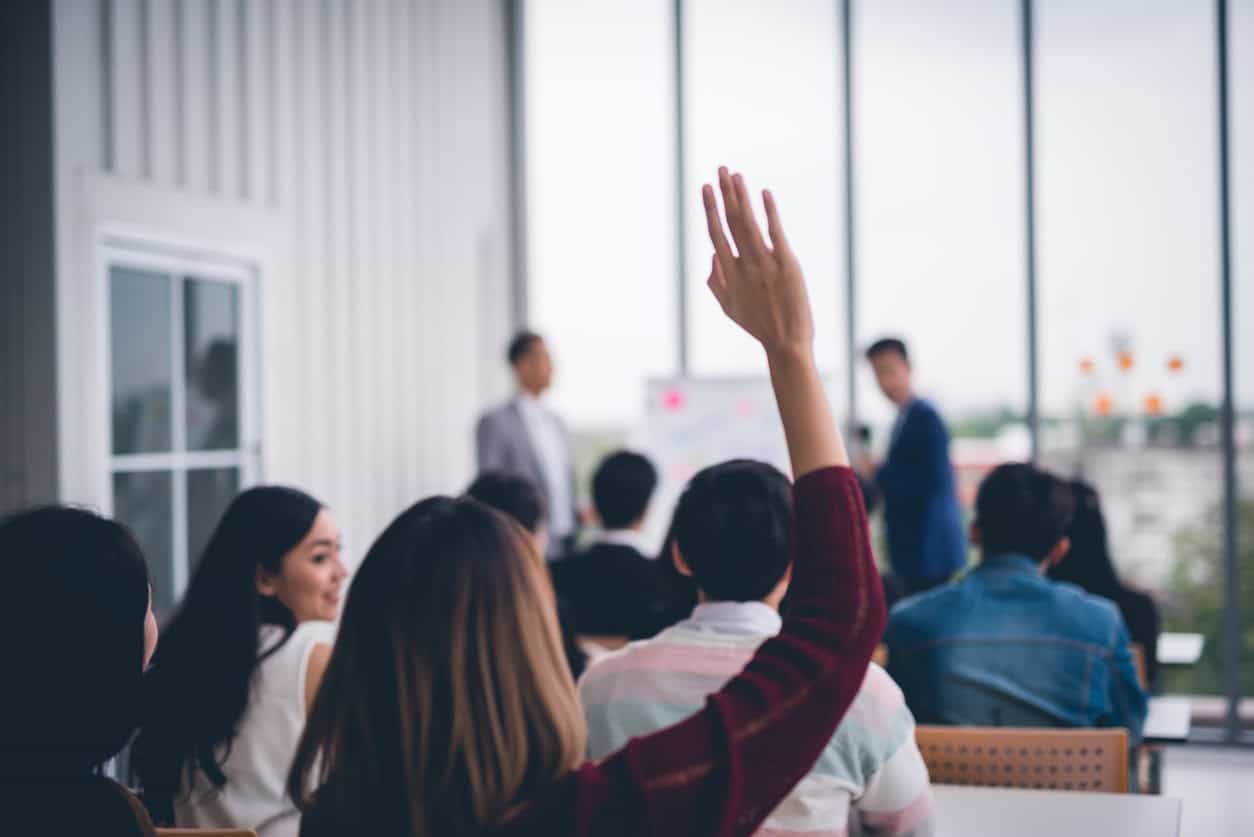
x=1005, y=646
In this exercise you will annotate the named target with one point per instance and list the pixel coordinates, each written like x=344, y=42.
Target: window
x=180, y=367
x=938, y=122
x=1129, y=291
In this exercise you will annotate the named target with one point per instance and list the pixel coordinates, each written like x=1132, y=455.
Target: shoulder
x=494, y=416
x=314, y=632
x=1098, y=617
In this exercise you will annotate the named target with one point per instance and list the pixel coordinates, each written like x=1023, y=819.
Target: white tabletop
x=1168, y=720
x=1180, y=649
x=998, y=812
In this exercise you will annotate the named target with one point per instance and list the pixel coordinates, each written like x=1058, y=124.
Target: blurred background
x=288, y=241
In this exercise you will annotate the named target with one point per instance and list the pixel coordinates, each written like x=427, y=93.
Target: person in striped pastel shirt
x=732, y=529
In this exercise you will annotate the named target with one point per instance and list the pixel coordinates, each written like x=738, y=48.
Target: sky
x=1126, y=166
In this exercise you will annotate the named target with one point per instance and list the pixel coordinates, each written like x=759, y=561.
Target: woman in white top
x=238, y=666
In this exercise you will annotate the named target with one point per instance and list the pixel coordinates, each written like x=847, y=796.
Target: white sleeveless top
x=255, y=794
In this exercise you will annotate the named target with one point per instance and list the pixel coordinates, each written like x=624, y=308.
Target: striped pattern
x=871, y=775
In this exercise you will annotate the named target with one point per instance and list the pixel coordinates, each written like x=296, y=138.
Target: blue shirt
x=1005, y=646
x=921, y=515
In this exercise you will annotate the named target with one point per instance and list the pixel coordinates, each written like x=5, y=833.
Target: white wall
x=357, y=152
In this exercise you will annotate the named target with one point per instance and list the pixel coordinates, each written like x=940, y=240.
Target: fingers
x=773, y=226
x=745, y=206
x=735, y=213
x=715, y=225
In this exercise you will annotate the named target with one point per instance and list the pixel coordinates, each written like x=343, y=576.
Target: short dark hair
x=888, y=344
x=74, y=627
x=732, y=525
x=521, y=344
x=622, y=487
x=512, y=494
x=1021, y=509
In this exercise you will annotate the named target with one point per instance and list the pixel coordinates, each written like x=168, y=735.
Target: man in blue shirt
x=921, y=515
x=1005, y=646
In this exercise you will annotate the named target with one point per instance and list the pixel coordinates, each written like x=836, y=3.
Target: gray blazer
x=502, y=444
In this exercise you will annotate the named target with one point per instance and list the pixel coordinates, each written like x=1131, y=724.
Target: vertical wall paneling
x=376, y=132
x=256, y=99
x=161, y=122
x=126, y=83
x=195, y=93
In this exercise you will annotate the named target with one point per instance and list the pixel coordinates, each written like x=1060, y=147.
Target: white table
x=1000, y=812
x=1180, y=649
x=1168, y=720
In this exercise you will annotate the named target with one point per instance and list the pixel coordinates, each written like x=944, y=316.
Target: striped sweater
x=870, y=779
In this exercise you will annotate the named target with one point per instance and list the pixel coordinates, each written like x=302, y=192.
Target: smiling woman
x=236, y=669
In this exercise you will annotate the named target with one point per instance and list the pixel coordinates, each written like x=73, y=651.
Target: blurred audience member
x=518, y=498
x=1005, y=646
x=732, y=537
x=239, y=665
x=612, y=587
x=1089, y=565
x=76, y=633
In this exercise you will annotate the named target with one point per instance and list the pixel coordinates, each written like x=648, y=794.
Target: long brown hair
x=447, y=702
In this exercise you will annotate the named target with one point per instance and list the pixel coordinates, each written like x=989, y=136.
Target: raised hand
x=759, y=287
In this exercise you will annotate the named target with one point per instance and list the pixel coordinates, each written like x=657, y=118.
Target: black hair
x=521, y=344
x=1088, y=563
x=622, y=487
x=733, y=524
x=512, y=494
x=199, y=684
x=888, y=344
x=1021, y=509
x=72, y=641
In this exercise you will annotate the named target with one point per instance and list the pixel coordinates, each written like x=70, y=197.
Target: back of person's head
x=72, y=641
x=1088, y=563
x=1023, y=510
x=732, y=527
x=199, y=683
x=512, y=494
x=622, y=487
x=893, y=345
x=447, y=699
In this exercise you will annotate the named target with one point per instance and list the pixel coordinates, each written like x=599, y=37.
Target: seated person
x=1088, y=565
x=518, y=498
x=613, y=588
x=731, y=527
x=1005, y=646
x=75, y=636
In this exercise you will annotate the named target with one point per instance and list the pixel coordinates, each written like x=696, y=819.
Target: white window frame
x=179, y=261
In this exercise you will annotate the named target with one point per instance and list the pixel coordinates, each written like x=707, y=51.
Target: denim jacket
x=1005, y=646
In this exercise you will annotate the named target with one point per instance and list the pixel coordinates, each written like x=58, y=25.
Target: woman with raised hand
x=447, y=708
x=237, y=668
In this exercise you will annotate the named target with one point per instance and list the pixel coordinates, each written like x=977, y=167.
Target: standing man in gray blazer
x=524, y=437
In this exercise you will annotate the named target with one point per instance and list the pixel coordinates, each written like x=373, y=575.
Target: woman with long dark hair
x=1088, y=564
x=76, y=632
x=238, y=666
x=448, y=709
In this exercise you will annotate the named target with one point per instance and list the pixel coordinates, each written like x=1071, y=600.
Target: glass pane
x=602, y=280
x=211, y=333
x=1129, y=293
x=209, y=492
x=775, y=118
x=142, y=365
x=940, y=223
x=143, y=500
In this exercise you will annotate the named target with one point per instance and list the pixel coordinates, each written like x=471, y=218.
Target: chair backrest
x=1017, y=757
x=206, y=832
x=1138, y=661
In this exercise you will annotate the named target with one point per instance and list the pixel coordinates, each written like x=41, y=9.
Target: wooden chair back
x=1138, y=660
x=1094, y=760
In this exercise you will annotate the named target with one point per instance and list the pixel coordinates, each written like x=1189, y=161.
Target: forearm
x=814, y=441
